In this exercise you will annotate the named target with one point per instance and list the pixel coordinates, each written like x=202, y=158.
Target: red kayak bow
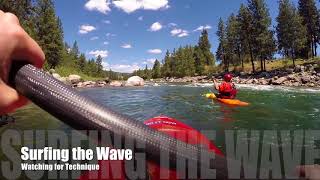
x=169, y=126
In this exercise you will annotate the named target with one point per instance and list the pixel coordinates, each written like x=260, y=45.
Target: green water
x=278, y=109
x=270, y=109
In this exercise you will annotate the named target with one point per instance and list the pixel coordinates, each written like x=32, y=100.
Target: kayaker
x=227, y=89
x=15, y=44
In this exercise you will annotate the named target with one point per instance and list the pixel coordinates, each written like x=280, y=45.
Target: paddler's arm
x=215, y=84
x=15, y=44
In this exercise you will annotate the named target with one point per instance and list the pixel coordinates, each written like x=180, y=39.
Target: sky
x=130, y=34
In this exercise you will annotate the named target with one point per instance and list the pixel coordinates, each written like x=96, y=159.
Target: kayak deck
x=232, y=102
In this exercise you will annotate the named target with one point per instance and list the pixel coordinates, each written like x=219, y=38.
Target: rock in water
x=279, y=81
x=74, y=79
x=305, y=79
x=57, y=76
x=116, y=84
x=135, y=81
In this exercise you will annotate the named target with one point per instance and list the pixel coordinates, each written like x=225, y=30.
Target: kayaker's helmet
x=227, y=77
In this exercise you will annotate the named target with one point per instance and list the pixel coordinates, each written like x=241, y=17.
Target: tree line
x=248, y=35
x=39, y=19
x=184, y=61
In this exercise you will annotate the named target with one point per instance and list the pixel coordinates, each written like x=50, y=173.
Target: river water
x=271, y=108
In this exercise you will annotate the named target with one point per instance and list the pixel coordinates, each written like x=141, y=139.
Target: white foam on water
x=279, y=88
x=255, y=87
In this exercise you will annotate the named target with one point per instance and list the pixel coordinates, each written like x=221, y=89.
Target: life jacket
x=227, y=91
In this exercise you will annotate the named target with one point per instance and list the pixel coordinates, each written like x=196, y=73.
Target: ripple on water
x=257, y=87
x=271, y=107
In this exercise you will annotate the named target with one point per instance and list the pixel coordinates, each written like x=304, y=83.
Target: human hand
x=214, y=80
x=15, y=45
x=311, y=172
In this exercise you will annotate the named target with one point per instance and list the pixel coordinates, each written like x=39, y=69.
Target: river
x=271, y=108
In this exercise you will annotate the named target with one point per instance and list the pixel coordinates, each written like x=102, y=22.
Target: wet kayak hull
x=166, y=125
x=231, y=102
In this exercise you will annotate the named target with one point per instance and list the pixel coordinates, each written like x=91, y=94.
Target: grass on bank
x=271, y=65
x=64, y=71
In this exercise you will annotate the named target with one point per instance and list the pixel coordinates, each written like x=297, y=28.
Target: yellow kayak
x=233, y=102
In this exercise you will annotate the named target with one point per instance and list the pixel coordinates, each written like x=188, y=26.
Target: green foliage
x=245, y=20
x=290, y=31
x=82, y=62
x=166, y=70
x=39, y=19
x=205, y=46
x=202, y=54
x=233, y=41
x=49, y=32
x=221, y=51
x=180, y=63
x=185, y=61
x=311, y=19
x=75, y=50
x=156, y=70
x=264, y=42
x=65, y=71
x=99, y=66
x=200, y=60
x=248, y=35
x=147, y=73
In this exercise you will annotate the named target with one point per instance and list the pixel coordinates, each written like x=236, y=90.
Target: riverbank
x=300, y=76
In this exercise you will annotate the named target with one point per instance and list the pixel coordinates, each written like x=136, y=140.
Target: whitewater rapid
x=251, y=87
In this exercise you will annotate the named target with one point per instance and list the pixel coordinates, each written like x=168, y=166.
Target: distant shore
x=300, y=76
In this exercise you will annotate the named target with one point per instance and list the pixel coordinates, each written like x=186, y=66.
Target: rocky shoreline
x=300, y=76
x=77, y=82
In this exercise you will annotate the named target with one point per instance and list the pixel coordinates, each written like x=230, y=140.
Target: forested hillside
x=39, y=19
x=246, y=36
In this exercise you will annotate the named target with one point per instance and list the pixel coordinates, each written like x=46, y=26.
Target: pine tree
x=233, y=41
x=189, y=61
x=205, y=46
x=290, y=31
x=200, y=60
x=179, y=63
x=99, y=65
x=49, y=33
x=156, y=70
x=82, y=62
x=146, y=73
x=284, y=26
x=264, y=43
x=166, y=69
x=75, y=50
x=300, y=36
x=221, y=51
x=246, y=27
x=311, y=19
